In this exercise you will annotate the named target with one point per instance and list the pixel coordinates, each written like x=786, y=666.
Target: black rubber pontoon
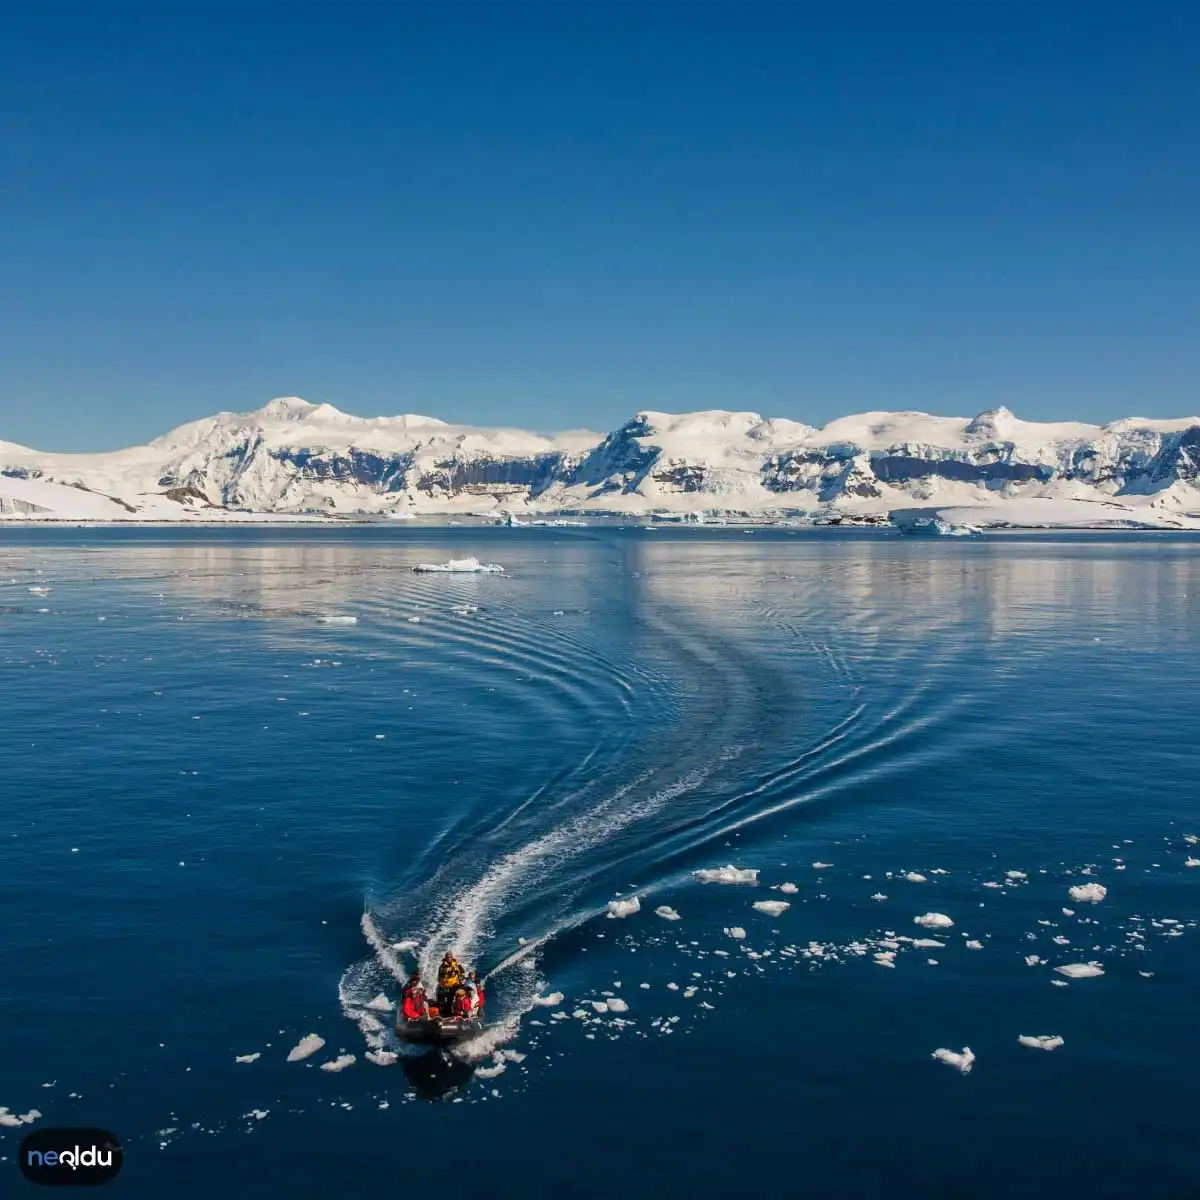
x=434, y=1031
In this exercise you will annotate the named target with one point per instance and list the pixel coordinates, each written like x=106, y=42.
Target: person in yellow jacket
x=450, y=976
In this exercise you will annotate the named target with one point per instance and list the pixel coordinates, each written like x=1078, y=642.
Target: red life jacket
x=414, y=1004
x=479, y=996
x=462, y=1005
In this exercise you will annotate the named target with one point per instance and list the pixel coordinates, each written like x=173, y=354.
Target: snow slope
x=294, y=459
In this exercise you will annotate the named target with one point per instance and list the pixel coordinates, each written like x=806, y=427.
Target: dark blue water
x=219, y=816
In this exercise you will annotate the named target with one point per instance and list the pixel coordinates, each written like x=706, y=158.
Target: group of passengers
x=459, y=994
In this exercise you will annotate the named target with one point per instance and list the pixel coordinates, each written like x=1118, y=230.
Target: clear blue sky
x=553, y=214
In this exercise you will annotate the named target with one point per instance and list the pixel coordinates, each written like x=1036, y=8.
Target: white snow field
x=293, y=460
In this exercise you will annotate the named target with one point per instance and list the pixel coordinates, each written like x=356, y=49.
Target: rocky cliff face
x=296, y=457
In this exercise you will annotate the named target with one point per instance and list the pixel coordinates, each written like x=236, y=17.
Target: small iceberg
x=727, y=874
x=307, y=1045
x=248, y=1058
x=736, y=932
x=381, y=1058
x=1088, y=970
x=788, y=889
x=960, y=1062
x=820, y=866
x=914, y=877
x=380, y=1004
x=666, y=912
x=1089, y=893
x=338, y=1064
x=337, y=620
x=459, y=566
x=14, y=1119
x=617, y=1005
x=553, y=1000
x=1042, y=1041
x=773, y=908
x=624, y=908
x=932, y=920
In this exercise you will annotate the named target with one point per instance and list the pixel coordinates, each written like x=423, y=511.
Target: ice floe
x=914, y=877
x=338, y=1064
x=624, y=908
x=337, y=620
x=879, y=896
x=380, y=1004
x=460, y=566
x=14, y=1119
x=1088, y=893
x=973, y=945
x=1087, y=970
x=249, y=1058
x=1192, y=862
x=666, y=912
x=1042, y=1041
x=773, y=908
x=617, y=1005
x=820, y=866
x=727, y=874
x=736, y=931
x=381, y=1058
x=963, y=1061
x=933, y=920
x=788, y=889
x=309, y=1044
x=553, y=1000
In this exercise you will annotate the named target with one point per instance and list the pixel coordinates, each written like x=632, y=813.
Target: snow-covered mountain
x=292, y=458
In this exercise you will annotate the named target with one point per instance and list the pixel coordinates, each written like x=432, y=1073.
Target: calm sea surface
x=221, y=815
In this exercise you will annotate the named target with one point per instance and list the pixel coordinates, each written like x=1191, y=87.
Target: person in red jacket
x=462, y=1005
x=477, y=989
x=414, y=1006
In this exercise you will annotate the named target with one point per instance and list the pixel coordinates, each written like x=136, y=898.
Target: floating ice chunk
x=14, y=1119
x=307, y=1045
x=932, y=920
x=1060, y=940
x=735, y=931
x=1088, y=970
x=666, y=912
x=414, y=620
x=599, y=1005
x=674, y=987
x=624, y=908
x=406, y=945
x=886, y=958
x=381, y=1058
x=928, y=944
x=464, y=610
x=1016, y=875
x=992, y=884
x=961, y=1062
x=1192, y=862
x=256, y=1114
x=1042, y=1041
x=1089, y=893
x=788, y=889
x=879, y=896
x=460, y=566
x=39, y=591
x=688, y=993
x=728, y=874
x=553, y=1000
x=617, y=1005
x=491, y=1072
x=1068, y=912
x=380, y=1004
x=820, y=866
x=773, y=908
x=338, y=1064
x=1060, y=983
x=337, y=620
x=913, y=877
x=249, y=1058
x=1032, y=960
x=973, y=945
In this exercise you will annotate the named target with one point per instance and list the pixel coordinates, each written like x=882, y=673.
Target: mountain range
x=295, y=459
